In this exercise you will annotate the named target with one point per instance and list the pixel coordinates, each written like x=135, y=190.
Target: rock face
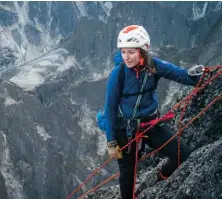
x=33, y=28
x=7, y=58
x=49, y=141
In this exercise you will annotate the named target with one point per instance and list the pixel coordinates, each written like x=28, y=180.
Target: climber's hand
x=114, y=150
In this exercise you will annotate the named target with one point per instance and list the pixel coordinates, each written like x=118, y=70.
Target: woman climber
x=135, y=100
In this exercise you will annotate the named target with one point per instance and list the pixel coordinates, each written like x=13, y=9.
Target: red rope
x=180, y=125
x=104, y=182
x=136, y=161
x=199, y=114
x=155, y=151
x=195, y=90
x=89, y=177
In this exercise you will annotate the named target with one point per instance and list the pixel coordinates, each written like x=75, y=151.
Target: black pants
x=158, y=135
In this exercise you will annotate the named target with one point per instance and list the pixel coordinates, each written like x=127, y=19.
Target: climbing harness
x=130, y=127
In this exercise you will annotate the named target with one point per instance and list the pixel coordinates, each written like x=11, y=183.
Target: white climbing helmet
x=133, y=36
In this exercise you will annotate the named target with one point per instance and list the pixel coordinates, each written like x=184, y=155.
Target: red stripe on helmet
x=130, y=28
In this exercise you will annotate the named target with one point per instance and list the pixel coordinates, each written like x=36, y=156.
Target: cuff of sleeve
x=195, y=78
x=110, y=136
x=112, y=143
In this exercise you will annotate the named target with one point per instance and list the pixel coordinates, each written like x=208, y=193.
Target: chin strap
x=141, y=61
x=140, y=66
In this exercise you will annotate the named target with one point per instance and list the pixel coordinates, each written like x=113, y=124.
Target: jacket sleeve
x=175, y=73
x=111, y=104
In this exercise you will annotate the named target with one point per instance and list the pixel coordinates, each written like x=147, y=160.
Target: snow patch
x=9, y=101
x=13, y=186
x=5, y=37
x=87, y=122
x=107, y=6
x=27, y=51
x=84, y=188
x=41, y=131
x=72, y=101
x=88, y=126
x=104, y=171
x=70, y=132
x=199, y=12
x=100, y=76
x=38, y=71
x=6, y=7
x=86, y=160
x=101, y=145
x=81, y=8
x=103, y=75
x=22, y=12
x=218, y=6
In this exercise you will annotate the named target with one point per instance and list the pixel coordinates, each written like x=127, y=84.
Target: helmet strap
x=141, y=61
x=140, y=66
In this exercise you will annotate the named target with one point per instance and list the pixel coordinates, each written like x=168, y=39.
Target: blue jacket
x=149, y=101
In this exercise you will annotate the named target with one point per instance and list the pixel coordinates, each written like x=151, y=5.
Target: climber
x=136, y=101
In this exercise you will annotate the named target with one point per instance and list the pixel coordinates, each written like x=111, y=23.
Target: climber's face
x=131, y=56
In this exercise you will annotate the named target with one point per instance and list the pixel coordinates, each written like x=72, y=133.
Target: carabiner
x=196, y=70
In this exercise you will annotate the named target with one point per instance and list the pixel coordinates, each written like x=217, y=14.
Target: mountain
x=33, y=28
x=53, y=82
